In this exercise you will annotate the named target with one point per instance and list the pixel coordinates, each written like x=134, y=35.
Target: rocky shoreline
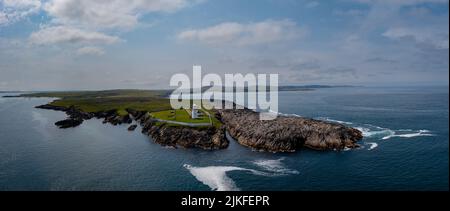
x=284, y=134
x=210, y=138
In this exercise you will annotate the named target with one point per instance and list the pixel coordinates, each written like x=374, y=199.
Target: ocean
x=405, y=147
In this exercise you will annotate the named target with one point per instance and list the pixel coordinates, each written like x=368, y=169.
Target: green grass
x=119, y=100
x=119, y=104
x=180, y=115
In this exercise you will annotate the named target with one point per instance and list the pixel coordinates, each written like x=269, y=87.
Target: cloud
x=350, y=12
x=66, y=34
x=430, y=37
x=3, y=18
x=109, y=14
x=16, y=10
x=90, y=50
x=22, y=3
x=241, y=34
x=380, y=60
x=312, y=4
x=400, y=2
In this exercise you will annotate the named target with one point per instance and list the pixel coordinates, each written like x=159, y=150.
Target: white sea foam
x=385, y=133
x=375, y=131
x=327, y=119
x=275, y=166
x=288, y=115
x=216, y=176
x=217, y=179
x=373, y=145
x=282, y=114
x=410, y=135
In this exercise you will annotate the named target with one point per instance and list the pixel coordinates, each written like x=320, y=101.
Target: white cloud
x=400, y=2
x=312, y=4
x=431, y=37
x=349, y=13
x=22, y=3
x=90, y=50
x=3, y=18
x=16, y=10
x=66, y=34
x=245, y=34
x=108, y=14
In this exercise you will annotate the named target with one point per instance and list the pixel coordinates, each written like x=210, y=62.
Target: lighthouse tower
x=194, y=111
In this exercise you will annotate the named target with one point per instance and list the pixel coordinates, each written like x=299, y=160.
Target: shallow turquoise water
x=405, y=148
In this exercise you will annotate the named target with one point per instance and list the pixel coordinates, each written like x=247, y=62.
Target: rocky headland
x=287, y=134
x=284, y=134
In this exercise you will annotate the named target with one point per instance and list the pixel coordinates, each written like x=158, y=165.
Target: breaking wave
x=327, y=119
x=371, y=131
x=216, y=176
x=373, y=145
x=411, y=134
x=275, y=166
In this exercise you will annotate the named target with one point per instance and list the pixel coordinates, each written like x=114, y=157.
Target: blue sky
x=99, y=44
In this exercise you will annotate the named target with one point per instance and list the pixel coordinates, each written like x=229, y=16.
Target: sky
x=140, y=44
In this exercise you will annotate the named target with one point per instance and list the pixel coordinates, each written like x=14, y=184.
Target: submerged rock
x=69, y=123
x=287, y=134
x=132, y=128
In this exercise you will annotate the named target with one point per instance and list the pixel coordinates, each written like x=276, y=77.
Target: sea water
x=405, y=148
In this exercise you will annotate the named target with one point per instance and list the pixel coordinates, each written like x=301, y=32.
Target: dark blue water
x=405, y=148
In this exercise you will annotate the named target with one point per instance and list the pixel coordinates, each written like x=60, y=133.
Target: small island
x=198, y=127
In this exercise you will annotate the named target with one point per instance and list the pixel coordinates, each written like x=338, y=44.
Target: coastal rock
x=208, y=139
x=287, y=134
x=132, y=128
x=52, y=107
x=69, y=123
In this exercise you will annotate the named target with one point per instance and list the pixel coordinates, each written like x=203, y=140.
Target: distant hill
x=290, y=88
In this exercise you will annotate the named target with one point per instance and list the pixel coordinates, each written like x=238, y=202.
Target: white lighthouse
x=194, y=111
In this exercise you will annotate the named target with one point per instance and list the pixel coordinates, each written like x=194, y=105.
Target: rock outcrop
x=132, y=127
x=76, y=115
x=68, y=123
x=287, y=134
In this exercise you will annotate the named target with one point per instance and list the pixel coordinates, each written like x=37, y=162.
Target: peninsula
x=207, y=129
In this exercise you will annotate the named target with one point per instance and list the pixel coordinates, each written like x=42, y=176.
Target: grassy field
x=155, y=102
x=180, y=115
x=120, y=100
